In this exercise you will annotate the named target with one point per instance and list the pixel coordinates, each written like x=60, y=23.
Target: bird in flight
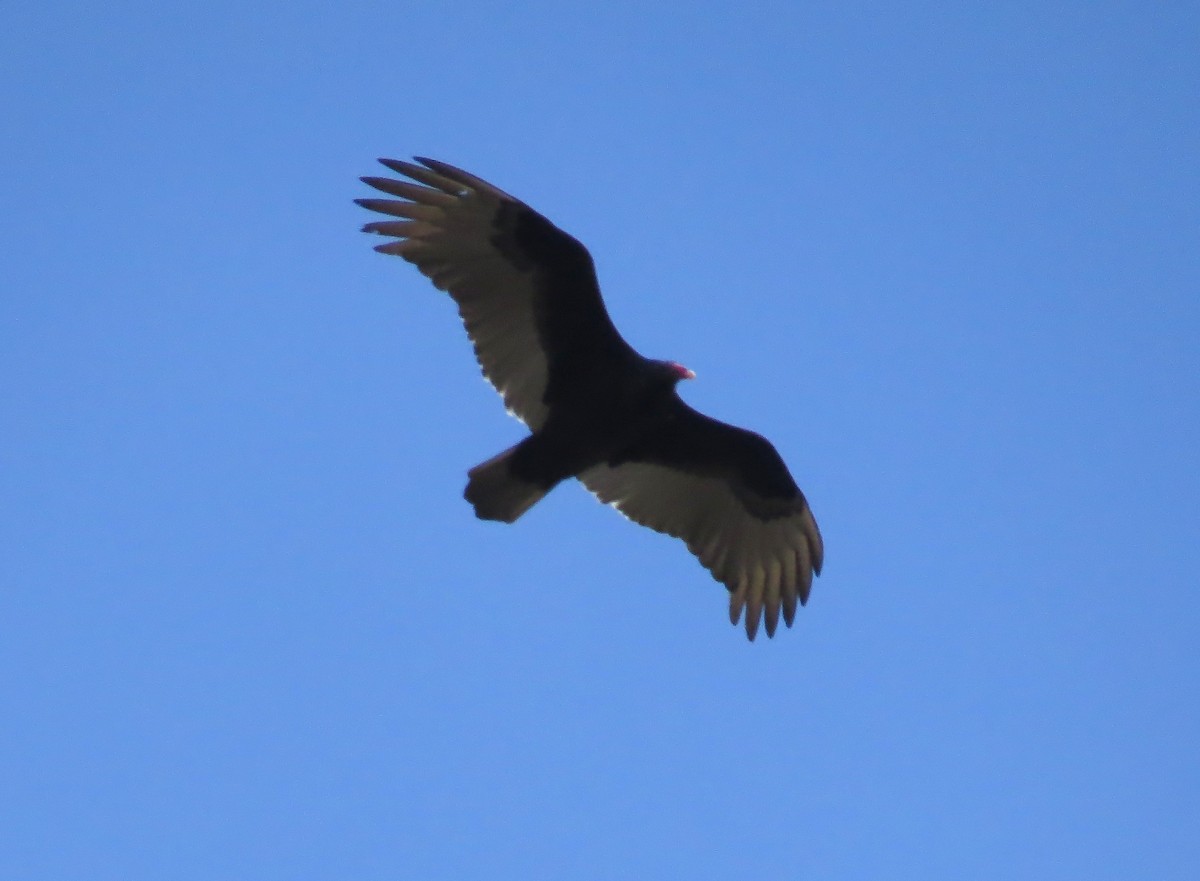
x=597, y=410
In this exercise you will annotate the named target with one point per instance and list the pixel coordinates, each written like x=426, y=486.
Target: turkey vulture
x=598, y=411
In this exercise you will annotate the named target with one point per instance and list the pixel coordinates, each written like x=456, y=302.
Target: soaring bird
x=597, y=410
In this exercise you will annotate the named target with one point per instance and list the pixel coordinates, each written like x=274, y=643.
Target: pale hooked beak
x=682, y=371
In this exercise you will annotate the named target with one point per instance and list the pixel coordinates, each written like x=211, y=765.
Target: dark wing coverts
x=526, y=290
x=726, y=492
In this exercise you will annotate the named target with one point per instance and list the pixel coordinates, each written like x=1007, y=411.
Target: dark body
x=598, y=410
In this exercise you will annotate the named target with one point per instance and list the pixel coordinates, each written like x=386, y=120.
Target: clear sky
x=946, y=256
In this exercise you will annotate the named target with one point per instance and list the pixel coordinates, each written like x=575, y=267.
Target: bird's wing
x=726, y=493
x=526, y=291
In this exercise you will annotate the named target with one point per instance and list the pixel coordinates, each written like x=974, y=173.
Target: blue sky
x=945, y=256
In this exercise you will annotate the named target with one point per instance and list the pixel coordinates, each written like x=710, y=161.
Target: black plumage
x=598, y=411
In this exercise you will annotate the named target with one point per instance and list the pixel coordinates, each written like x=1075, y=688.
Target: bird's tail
x=499, y=495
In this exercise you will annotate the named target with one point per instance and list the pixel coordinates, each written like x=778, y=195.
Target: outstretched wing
x=726, y=493
x=526, y=291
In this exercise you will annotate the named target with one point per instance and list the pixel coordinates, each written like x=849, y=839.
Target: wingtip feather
x=754, y=609
x=789, y=609
x=771, y=619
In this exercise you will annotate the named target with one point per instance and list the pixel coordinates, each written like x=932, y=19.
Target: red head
x=681, y=371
